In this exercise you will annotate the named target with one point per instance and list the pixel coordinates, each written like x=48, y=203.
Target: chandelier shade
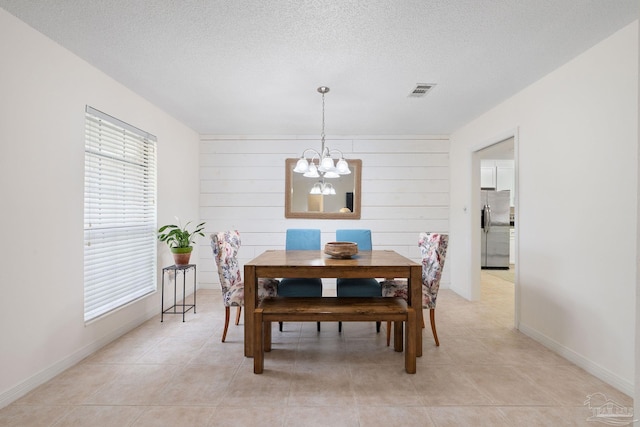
x=327, y=165
x=343, y=167
x=302, y=166
x=323, y=188
x=312, y=171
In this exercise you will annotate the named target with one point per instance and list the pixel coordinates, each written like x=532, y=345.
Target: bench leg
x=410, y=342
x=267, y=336
x=258, y=347
x=397, y=336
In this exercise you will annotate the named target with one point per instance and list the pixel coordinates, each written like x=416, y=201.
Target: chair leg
x=318, y=326
x=432, y=317
x=339, y=327
x=226, y=323
x=238, y=311
x=378, y=327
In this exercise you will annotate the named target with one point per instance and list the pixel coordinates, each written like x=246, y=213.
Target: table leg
x=410, y=344
x=250, y=304
x=258, y=345
x=415, y=301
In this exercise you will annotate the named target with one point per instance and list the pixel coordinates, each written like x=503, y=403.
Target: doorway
x=495, y=164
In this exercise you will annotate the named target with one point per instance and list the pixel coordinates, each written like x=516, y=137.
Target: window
x=120, y=241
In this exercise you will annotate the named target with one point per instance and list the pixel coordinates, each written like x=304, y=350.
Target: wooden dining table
x=310, y=264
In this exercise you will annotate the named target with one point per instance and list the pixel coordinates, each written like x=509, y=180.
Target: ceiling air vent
x=421, y=90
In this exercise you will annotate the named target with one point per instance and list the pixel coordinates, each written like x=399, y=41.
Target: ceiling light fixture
x=323, y=188
x=325, y=168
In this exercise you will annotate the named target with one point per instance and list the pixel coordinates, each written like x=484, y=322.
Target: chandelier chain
x=322, y=134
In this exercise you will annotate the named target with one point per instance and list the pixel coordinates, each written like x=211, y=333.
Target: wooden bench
x=327, y=309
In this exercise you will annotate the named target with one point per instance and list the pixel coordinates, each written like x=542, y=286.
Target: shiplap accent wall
x=405, y=190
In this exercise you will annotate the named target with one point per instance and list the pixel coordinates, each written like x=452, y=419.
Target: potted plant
x=179, y=240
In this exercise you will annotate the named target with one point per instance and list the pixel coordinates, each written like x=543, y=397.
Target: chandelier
x=326, y=189
x=325, y=166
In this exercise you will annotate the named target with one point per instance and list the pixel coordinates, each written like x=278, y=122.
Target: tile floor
x=483, y=374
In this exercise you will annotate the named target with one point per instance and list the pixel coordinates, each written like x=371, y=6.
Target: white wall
x=405, y=190
x=44, y=90
x=576, y=164
x=636, y=401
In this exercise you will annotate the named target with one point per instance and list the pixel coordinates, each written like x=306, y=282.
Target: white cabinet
x=505, y=177
x=488, y=177
x=487, y=174
x=498, y=174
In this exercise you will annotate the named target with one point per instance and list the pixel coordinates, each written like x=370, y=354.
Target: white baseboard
x=45, y=375
x=594, y=369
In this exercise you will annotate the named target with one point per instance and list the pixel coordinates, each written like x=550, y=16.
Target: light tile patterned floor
x=483, y=374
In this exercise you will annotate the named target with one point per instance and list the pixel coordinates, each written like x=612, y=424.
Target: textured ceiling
x=253, y=66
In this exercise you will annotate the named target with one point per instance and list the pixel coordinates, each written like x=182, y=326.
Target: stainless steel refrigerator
x=495, y=223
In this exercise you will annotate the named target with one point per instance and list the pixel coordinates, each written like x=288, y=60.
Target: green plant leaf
x=179, y=237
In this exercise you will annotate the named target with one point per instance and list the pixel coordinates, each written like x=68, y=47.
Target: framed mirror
x=345, y=204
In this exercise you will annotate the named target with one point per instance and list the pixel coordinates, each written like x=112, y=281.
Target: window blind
x=119, y=214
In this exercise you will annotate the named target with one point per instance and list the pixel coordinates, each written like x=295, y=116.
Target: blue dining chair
x=357, y=287
x=301, y=239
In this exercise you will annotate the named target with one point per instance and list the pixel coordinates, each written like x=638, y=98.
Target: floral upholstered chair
x=225, y=245
x=433, y=247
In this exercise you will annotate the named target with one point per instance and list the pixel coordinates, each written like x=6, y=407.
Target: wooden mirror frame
x=356, y=168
